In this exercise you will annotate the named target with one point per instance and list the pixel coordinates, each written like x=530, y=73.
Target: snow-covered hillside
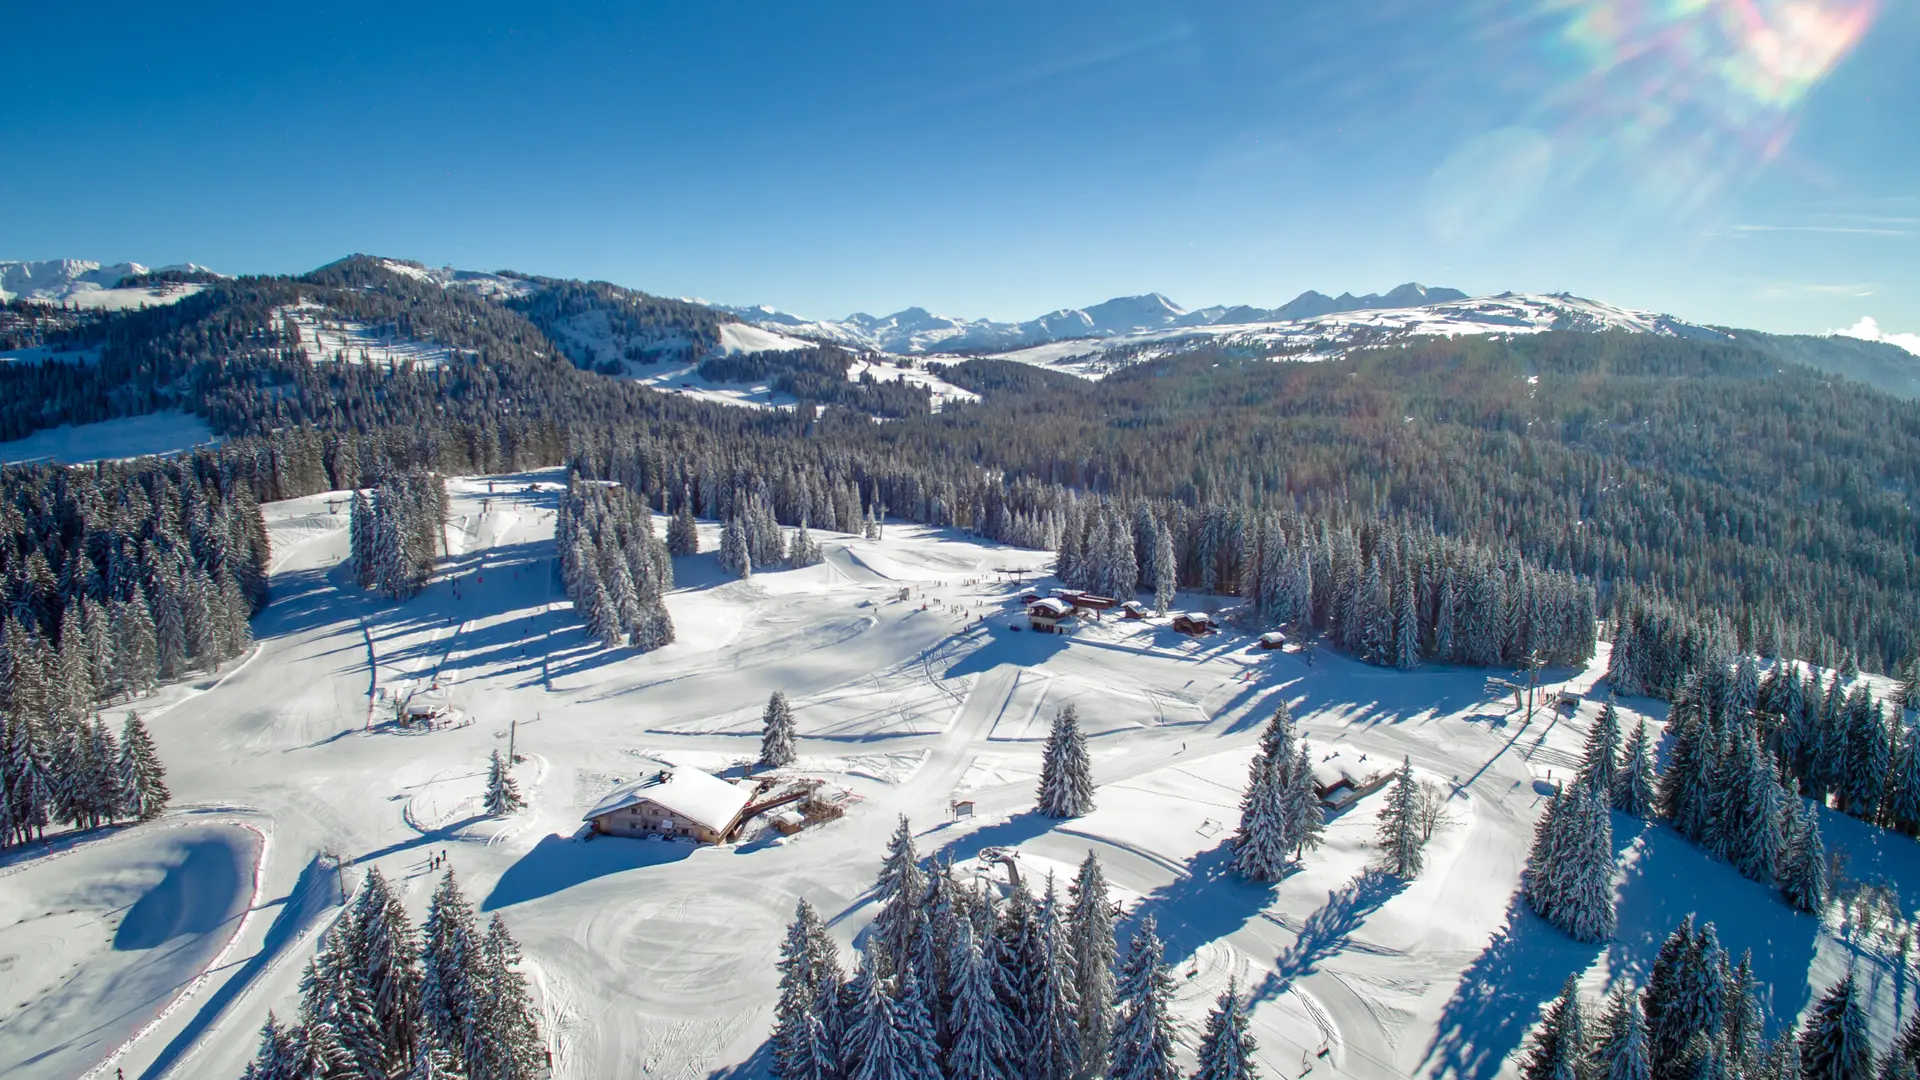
x=480, y=283
x=1325, y=336
x=111, y=440
x=89, y=284
x=910, y=689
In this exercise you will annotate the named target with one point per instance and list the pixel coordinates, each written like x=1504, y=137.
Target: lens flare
x=1692, y=94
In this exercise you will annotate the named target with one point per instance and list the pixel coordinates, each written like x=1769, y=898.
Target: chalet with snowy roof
x=1273, y=639
x=1050, y=616
x=680, y=801
x=1194, y=623
x=1339, y=781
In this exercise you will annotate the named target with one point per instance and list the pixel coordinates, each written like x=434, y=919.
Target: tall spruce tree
x=1633, y=788
x=1066, y=772
x=503, y=794
x=1600, y=766
x=1143, y=1040
x=1559, y=1050
x=1090, y=943
x=1833, y=1042
x=1398, y=836
x=142, y=778
x=1226, y=1049
x=776, y=733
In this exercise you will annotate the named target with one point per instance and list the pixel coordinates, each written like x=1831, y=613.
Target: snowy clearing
x=656, y=957
x=111, y=440
x=329, y=340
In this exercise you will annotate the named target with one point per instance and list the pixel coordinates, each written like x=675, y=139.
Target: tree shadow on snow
x=311, y=895
x=558, y=863
x=1500, y=994
x=1329, y=930
x=1206, y=902
x=1666, y=879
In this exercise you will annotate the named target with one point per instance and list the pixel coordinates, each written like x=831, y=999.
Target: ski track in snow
x=656, y=958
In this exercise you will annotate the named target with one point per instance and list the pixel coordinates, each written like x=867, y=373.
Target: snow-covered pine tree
x=1833, y=1042
x=360, y=542
x=507, y=1034
x=683, y=532
x=279, y=1054
x=898, y=891
x=735, y=558
x=1744, y=1024
x=1165, y=569
x=1569, y=878
x=1398, y=837
x=1226, y=1048
x=919, y=1045
x=450, y=950
x=1090, y=943
x=1559, y=1050
x=1803, y=871
x=1902, y=807
x=794, y=1025
x=105, y=799
x=1406, y=623
x=1600, y=767
x=1143, y=1039
x=1686, y=790
x=874, y=1039
x=802, y=550
x=142, y=778
x=1052, y=1033
x=1066, y=772
x=1633, y=788
x=1260, y=847
x=1306, y=818
x=982, y=1047
x=1749, y=825
x=389, y=967
x=776, y=733
x=1620, y=1052
x=503, y=794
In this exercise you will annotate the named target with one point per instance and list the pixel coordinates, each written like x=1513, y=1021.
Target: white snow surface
x=332, y=340
x=655, y=958
x=87, y=284
x=111, y=440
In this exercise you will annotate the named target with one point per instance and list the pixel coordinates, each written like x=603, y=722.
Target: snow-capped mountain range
x=69, y=279
x=916, y=330
x=1090, y=341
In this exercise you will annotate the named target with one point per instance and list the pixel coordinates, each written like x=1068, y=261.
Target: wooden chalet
x=1339, y=784
x=1194, y=623
x=1133, y=609
x=1050, y=616
x=1273, y=639
x=676, y=802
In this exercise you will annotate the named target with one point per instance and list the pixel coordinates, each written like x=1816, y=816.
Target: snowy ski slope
x=655, y=958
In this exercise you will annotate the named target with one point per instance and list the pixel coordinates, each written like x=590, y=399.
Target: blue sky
x=1750, y=162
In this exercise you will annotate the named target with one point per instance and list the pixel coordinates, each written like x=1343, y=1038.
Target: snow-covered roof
x=1050, y=606
x=1331, y=772
x=1273, y=637
x=701, y=798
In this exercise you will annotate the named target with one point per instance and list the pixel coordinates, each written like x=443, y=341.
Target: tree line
x=77, y=774
x=956, y=983
x=1700, y=1014
x=614, y=567
x=394, y=538
x=384, y=1000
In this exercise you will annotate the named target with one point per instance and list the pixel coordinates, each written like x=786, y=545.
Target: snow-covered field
x=127, y=437
x=654, y=958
